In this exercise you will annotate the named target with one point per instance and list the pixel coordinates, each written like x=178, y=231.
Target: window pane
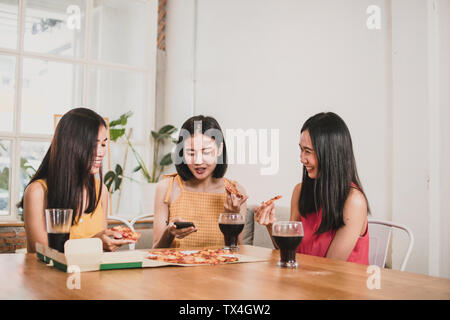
x=7, y=85
x=113, y=93
x=5, y=165
x=55, y=27
x=8, y=23
x=31, y=155
x=122, y=22
x=48, y=88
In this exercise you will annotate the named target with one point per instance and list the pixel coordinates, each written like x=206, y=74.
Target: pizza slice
x=269, y=202
x=127, y=233
x=231, y=188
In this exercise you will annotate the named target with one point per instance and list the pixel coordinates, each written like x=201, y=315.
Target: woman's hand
x=111, y=240
x=233, y=203
x=179, y=233
x=265, y=214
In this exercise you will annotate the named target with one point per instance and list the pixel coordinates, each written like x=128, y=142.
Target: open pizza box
x=82, y=255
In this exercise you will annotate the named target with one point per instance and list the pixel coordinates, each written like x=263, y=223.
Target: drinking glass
x=287, y=235
x=58, y=223
x=231, y=225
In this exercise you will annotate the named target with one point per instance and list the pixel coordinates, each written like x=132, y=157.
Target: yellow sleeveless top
x=88, y=225
x=201, y=208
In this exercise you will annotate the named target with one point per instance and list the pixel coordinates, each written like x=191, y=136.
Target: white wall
x=179, y=72
x=272, y=64
x=411, y=128
x=444, y=109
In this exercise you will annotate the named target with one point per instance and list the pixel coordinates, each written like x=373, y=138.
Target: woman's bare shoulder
x=34, y=189
x=163, y=184
x=355, y=205
x=356, y=198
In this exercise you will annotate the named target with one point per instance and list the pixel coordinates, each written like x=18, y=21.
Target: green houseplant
x=158, y=139
x=151, y=174
x=117, y=130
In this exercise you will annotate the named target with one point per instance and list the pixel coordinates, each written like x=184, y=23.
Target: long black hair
x=337, y=171
x=209, y=127
x=67, y=164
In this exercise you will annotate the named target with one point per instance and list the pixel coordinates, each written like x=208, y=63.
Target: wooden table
x=23, y=276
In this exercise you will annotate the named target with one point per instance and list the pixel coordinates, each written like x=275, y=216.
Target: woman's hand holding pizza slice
x=235, y=199
x=265, y=214
x=126, y=233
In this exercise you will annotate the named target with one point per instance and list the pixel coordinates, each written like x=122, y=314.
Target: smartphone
x=182, y=224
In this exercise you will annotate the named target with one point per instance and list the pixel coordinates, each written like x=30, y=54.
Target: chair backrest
x=379, y=236
x=146, y=239
x=131, y=246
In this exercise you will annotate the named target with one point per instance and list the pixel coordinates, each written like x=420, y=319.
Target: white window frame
x=86, y=63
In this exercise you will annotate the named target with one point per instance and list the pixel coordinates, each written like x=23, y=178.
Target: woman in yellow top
x=66, y=179
x=196, y=193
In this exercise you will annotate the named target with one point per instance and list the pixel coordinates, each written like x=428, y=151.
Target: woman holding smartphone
x=66, y=179
x=330, y=201
x=196, y=193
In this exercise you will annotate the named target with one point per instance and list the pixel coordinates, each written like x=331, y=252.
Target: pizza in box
x=203, y=256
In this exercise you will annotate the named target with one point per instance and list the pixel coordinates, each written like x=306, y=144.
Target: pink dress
x=318, y=244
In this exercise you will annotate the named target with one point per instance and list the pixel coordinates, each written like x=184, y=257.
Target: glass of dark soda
x=287, y=235
x=231, y=225
x=58, y=223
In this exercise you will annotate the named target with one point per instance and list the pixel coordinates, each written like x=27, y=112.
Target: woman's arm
x=163, y=231
x=34, y=204
x=355, y=219
x=295, y=213
x=104, y=201
x=161, y=239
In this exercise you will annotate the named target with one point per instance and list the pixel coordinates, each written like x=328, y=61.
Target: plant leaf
x=116, y=134
x=169, y=129
x=166, y=160
x=122, y=121
x=109, y=179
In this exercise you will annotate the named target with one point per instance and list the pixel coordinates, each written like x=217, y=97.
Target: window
x=56, y=55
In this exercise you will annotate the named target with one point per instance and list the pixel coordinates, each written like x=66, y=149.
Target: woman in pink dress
x=330, y=201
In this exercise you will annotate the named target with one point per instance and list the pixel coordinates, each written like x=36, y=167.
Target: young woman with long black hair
x=196, y=193
x=330, y=201
x=66, y=179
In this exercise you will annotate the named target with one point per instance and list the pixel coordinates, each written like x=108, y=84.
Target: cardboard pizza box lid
x=84, y=253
